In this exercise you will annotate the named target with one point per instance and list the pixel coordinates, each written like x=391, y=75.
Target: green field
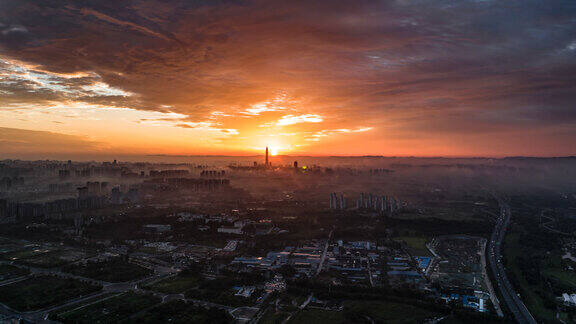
x=54, y=259
x=80, y=304
x=220, y=291
x=530, y=293
x=567, y=278
x=359, y=311
x=179, y=312
x=273, y=317
x=318, y=316
x=448, y=210
x=44, y=257
x=26, y=253
x=416, y=245
x=114, y=270
x=7, y=246
x=175, y=285
x=109, y=310
x=387, y=312
x=41, y=292
x=9, y=272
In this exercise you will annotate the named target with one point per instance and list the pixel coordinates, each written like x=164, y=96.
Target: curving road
x=510, y=297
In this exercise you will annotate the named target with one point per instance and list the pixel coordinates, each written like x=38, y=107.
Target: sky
x=329, y=77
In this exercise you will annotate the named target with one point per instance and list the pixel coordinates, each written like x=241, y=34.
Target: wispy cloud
x=22, y=82
x=278, y=103
x=429, y=71
x=315, y=137
x=103, y=89
x=291, y=119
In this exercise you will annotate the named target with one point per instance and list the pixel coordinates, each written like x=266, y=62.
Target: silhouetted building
x=64, y=174
x=82, y=192
x=132, y=195
x=3, y=208
x=116, y=196
x=93, y=188
x=168, y=173
x=156, y=228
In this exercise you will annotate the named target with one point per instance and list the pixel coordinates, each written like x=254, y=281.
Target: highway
x=489, y=285
x=510, y=297
x=323, y=258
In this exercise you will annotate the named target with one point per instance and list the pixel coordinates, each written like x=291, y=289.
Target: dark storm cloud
x=447, y=66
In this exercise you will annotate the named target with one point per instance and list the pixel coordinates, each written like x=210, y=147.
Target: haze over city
x=287, y=161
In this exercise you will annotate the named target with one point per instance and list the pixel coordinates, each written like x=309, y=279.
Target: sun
x=273, y=151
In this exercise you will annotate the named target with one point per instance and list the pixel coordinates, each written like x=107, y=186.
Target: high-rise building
x=369, y=203
x=133, y=196
x=93, y=187
x=116, y=196
x=64, y=174
x=267, y=156
x=3, y=208
x=83, y=192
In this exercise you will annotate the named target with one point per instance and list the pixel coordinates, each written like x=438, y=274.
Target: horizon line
x=94, y=159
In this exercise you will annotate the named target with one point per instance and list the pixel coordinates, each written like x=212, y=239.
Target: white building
x=569, y=299
x=157, y=228
x=230, y=230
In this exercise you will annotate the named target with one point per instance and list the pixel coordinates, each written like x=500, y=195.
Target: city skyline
x=331, y=78
x=287, y=161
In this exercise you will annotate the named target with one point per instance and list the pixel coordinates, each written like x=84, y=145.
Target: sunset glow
x=347, y=79
x=288, y=161
x=273, y=151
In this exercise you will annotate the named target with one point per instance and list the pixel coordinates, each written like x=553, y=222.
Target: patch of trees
x=540, y=240
x=530, y=269
x=181, y=312
x=436, y=226
x=345, y=292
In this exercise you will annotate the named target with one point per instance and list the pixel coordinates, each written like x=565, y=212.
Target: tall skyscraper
x=116, y=196
x=266, y=155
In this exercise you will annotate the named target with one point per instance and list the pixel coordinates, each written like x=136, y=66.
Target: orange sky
x=390, y=78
